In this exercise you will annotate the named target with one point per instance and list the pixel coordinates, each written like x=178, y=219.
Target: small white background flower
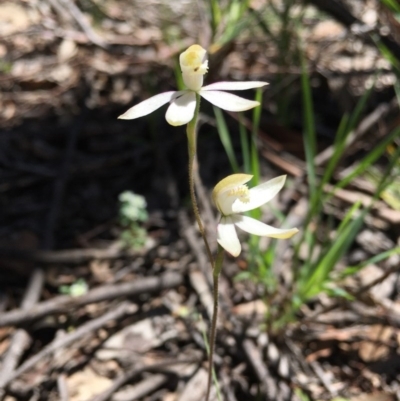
x=182, y=106
x=232, y=197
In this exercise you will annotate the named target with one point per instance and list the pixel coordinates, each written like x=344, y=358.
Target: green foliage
x=131, y=214
x=227, y=19
x=392, y=5
x=5, y=67
x=280, y=26
x=226, y=139
x=315, y=273
x=94, y=10
x=76, y=289
x=320, y=246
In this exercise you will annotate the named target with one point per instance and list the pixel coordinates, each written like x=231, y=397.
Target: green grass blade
x=393, y=5
x=368, y=160
x=309, y=133
x=339, y=247
x=347, y=124
x=244, y=144
x=226, y=139
x=255, y=162
x=355, y=116
x=350, y=270
x=215, y=12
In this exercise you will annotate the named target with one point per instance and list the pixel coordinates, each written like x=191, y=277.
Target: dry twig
x=64, y=341
x=65, y=303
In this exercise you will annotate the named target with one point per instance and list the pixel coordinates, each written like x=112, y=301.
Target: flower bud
x=194, y=65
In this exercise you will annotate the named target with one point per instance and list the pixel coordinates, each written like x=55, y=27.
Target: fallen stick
x=72, y=256
x=64, y=303
x=62, y=342
x=130, y=374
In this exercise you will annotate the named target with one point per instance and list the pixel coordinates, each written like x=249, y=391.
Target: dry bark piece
x=256, y=308
x=382, y=288
x=140, y=338
x=85, y=384
x=261, y=370
x=375, y=347
x=195, y=389
x=141, y=389
x=13, y=18
x=375, y=396
x=200, y=285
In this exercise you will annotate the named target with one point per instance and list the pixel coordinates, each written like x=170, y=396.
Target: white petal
x=193, y=82
x=234, y=86
x=259, y=195
x=220, y=193
x=148, y=105
x=181, y=110
x=227, y=236
x=227, y=101
x=256, y=227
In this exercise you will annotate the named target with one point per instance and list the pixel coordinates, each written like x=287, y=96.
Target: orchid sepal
x=232, y=197
x=234, y=86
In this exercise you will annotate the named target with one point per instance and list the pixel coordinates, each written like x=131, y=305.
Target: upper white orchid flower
x=182, y=106
x=232, y=197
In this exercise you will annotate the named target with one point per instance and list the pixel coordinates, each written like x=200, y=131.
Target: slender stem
x=217, y=270
x=192, y=139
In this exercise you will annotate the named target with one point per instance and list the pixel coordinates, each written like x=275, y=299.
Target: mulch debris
x=67, y=70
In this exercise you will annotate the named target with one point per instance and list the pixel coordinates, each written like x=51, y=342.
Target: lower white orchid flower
x=232, y=197
x=182, y=106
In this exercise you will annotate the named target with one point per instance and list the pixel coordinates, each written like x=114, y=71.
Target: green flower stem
x=217, y=270
x=217, y=265
x=192, y=139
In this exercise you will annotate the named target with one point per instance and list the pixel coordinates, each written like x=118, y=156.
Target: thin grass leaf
x=254, y=157
x=262, y=24
x=344, y=237
x=226, y=139
x=392, y=5
x=347, y=124
x=309, y=133
x=350, y=270
x=215, y=12
x=244, y=144
x=178, y=76
x=310, y=269
x=235, y=21
x=397, y=91
x=348, y=217
x=360, y=106
x=339, y=247
x=385, y=51
x=368, y=160
x=255, y=162
x=339, y=146
x=255, y=261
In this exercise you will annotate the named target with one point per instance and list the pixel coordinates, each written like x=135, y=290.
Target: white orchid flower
x=232, y=197
x=182, y=106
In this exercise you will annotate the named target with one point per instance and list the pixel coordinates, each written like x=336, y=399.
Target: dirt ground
x=136, y=332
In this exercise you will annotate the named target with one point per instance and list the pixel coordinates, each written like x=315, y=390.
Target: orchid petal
x=181, y=110
x=259, y=195
x=227, y=101
x=149, y=105
x=229, y=183
x=228, y=190
x=227, y=236
x=256, y=227
x=234, y=86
